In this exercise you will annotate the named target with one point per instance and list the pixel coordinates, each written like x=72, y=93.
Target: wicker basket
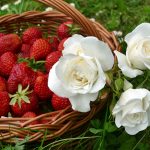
x=59, y=122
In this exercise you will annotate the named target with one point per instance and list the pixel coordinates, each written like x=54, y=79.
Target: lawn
x=120, y=16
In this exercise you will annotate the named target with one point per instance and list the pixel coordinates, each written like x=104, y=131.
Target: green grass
x=120, y=15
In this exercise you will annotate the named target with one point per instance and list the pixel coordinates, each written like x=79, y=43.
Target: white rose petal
x=55, y=85
x=132, y=110
x=81, y=102
x=92, y=47
x=72, y=45
x=125, y=67
x=71, y=69
x=137, y=56
x=148, y=112
x=140, y=31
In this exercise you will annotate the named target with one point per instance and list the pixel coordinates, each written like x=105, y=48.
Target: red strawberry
x=41, y=87
x=63, y=30
x=23, y=101
x=7, y=61
x=25, y=51
x=31, y=35
x=39, y=73
x=61, y=44
x=51, y=59
x=20, y=74
x=9, y=42
x=54, y=43
x=4, y=103
x=30, y=115
x=1, y=34
x=59, y=103
x=40, y=49
x=2, y=84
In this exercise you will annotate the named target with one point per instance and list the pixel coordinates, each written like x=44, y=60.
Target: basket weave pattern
x=58, y=122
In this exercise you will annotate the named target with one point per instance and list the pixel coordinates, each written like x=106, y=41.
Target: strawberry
x=51, y=59
x=41, y=87
x=2, y=84
x=30, y=35
x=25, y=51
x=61, y=44
x=4, y=103
x=9, y=42
x=54, y=43
x=39, y=73
x=64, y=30
x=7, y=61
x=20, y=74
x=30, y=115
x=59, y=103
x=40, y=49
x=2, y=34
x=23, y=101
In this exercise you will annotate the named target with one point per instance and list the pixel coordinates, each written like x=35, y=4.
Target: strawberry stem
x=21, y=94
x=35, y=65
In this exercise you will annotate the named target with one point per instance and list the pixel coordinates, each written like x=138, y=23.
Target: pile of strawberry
x=24, y=66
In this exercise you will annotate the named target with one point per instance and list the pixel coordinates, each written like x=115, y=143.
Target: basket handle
x=68, y=10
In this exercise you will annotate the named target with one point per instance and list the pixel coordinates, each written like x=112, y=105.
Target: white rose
x=138, y=52
x=90, y=46
x=81, y=77
x=133, y=110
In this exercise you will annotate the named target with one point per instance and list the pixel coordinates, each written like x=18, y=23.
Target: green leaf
x=19, y=88
x=143, y=146
x=111, y=139
x=95, y=131
x=13, y=101
x=126, y=141
x=112, y=104
x=128, y=144
x=25, y=90
x=96, y=123
x=119, y=84
x=8, y=147
x=20, y=145
x=26, y=99
x=110, y=127
x=19, y=102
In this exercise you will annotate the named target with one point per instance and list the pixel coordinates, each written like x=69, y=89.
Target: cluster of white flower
x=49, y=9
x=5, y=7
x=92, y=19
x=17, y=2
x=99, y=12
x=133, y=108
x=73, y=5
x=118, y=33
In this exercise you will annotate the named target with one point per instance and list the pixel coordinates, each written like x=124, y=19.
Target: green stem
x=69, y=139
x=147, y=77
x=139, y=141
x=104, y=131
